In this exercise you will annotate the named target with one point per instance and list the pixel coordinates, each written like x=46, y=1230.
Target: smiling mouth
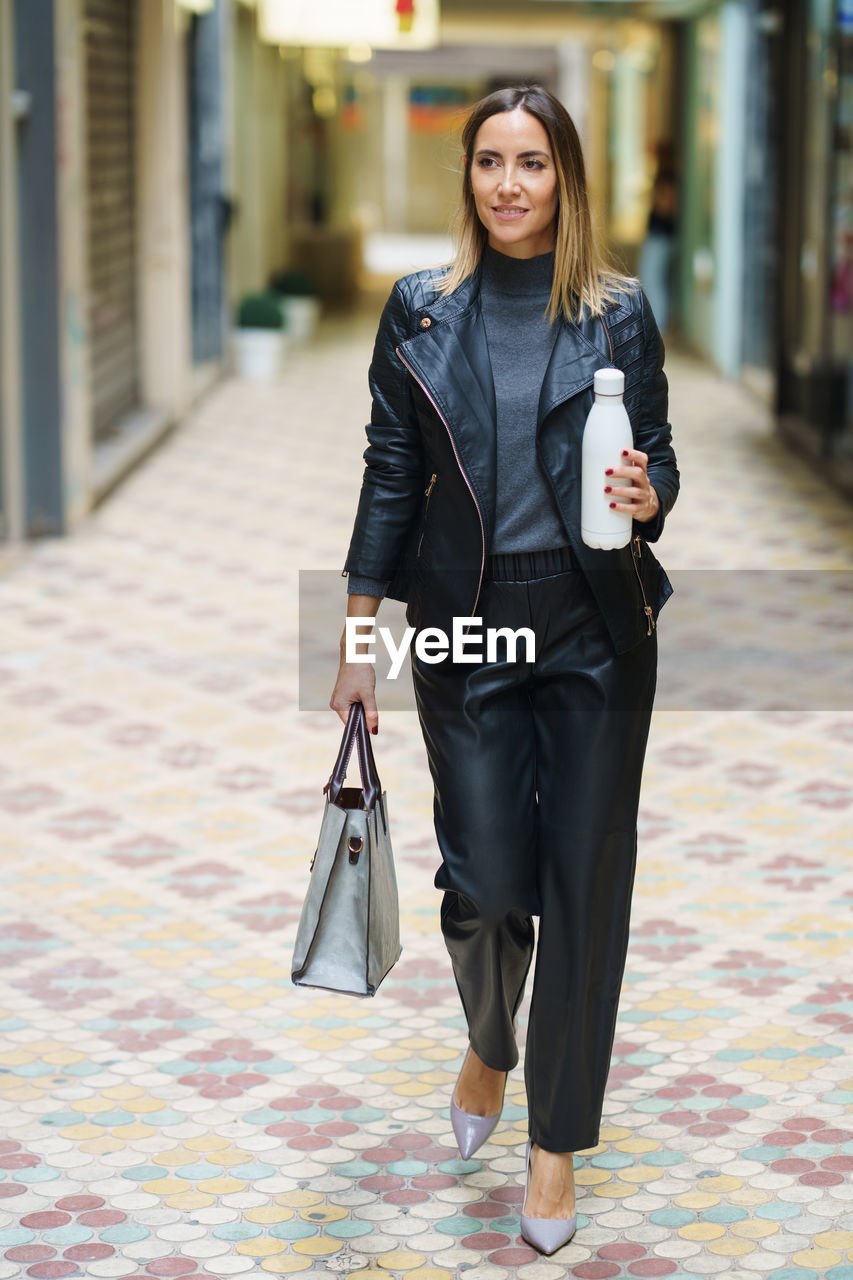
x=509, y=210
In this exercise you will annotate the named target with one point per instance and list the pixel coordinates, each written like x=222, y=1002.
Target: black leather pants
x=537, y=768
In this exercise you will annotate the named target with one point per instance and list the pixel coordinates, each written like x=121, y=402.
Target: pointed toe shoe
x=545, y=1234
x=471, y=1131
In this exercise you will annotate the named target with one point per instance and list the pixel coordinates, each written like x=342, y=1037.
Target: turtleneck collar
x=518, y=276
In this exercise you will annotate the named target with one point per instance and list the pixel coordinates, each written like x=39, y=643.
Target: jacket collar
x=450, y=357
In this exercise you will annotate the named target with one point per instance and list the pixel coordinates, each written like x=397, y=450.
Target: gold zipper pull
x=427, y=492
x=647, y=608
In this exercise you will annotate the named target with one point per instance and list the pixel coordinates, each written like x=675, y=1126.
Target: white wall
x=258, y=161
x=162, y=210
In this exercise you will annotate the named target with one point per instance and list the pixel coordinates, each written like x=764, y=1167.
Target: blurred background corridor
x=203, y=206
x=162, y=161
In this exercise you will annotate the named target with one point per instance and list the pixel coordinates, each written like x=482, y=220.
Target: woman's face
x=515, y=183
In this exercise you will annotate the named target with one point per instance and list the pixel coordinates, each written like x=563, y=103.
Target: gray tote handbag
x=349, y=930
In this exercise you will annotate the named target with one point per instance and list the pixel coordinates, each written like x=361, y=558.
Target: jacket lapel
x=452, y=361
x=571, y=369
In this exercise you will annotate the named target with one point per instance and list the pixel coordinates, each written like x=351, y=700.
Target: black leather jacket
x=426, y=510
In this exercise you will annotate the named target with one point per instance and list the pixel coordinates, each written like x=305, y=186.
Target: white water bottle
x=606, y=434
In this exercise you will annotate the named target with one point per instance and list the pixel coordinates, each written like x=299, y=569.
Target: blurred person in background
x=481, y=380
x=658, y=248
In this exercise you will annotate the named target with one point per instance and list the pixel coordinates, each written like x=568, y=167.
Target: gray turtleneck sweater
x=513, y=296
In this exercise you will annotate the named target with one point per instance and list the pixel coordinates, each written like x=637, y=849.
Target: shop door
x=207, y=208
x=110, y=89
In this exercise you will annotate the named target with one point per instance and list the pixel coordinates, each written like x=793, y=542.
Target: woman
x=658, y=248
x=482, y=380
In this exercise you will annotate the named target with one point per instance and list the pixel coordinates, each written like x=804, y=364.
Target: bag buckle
x=355, y=844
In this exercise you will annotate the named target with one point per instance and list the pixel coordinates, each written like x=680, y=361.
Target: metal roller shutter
x=111, y=195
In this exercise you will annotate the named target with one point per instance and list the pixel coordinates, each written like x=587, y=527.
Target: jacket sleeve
x=367, y=587
x=652, y=432
x=392, y=484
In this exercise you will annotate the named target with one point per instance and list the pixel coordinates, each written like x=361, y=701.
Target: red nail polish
x=376, y=730
x=624, y=453
x=608, y=488
x=613, y=504
x=609, y=471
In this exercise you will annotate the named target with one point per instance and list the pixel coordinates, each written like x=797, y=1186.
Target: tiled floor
x=170, y=1105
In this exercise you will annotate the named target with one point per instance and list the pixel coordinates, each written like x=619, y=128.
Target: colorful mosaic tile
x=170, y=1105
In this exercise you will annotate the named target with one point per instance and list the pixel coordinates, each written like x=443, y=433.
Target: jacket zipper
x=647, y=608
x=464, y=477
x=427, y=493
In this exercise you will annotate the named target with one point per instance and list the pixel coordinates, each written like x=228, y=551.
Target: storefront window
x=841, y=189
x=812, y=345
x=819, y=367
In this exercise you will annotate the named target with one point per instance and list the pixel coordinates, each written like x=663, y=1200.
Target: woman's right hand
x=356, y=682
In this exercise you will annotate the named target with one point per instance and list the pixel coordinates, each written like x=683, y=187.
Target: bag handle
x=355, y=734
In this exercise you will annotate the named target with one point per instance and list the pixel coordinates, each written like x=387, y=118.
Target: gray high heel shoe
x=471, y=1131
x=545, y=1234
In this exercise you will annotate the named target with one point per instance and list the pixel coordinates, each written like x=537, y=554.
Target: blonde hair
x=582, y=273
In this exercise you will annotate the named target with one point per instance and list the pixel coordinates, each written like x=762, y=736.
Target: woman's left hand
x=640, y=499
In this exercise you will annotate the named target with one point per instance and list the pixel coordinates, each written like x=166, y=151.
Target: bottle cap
x=609, y=382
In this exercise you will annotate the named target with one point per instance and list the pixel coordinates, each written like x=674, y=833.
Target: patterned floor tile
x=171, y=1106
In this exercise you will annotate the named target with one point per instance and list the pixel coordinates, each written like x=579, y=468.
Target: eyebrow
x=485, y=151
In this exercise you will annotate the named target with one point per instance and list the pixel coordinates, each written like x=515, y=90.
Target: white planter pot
x=300, y=316
x=258, y=353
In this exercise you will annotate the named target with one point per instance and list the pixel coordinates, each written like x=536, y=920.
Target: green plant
x=260, y=311
x=293, y=283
